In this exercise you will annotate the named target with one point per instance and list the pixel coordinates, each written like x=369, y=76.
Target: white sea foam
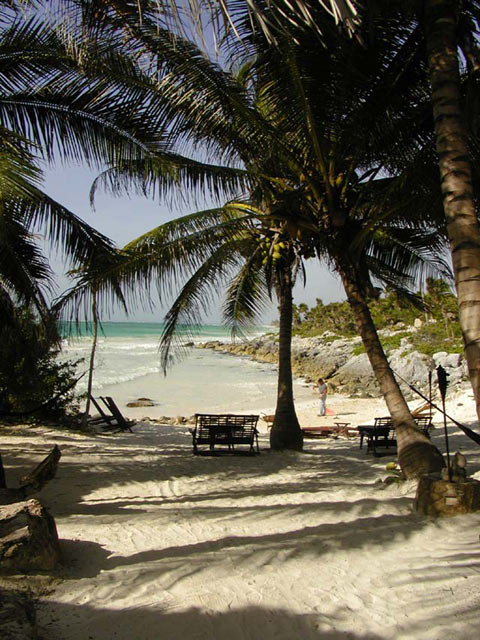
x=128, y=367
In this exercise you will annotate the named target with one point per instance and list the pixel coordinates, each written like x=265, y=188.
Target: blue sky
x=123, y=219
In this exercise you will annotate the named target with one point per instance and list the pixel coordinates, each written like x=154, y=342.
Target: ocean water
x=127, y=367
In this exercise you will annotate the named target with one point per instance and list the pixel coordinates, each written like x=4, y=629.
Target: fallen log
x=43, y=472
x=33, y=481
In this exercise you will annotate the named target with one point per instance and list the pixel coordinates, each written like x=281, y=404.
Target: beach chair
x=104, y=419
x=383, y=432
x=268, y=418
x=124, y=423
x=335, y=430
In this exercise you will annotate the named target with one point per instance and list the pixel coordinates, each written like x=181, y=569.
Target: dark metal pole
x=442, y=376
x=430, y=394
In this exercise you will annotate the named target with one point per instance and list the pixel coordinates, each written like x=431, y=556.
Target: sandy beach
x=161, y=544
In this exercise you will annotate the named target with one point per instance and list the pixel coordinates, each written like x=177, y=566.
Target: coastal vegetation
x=33, y=382
x=435, y=310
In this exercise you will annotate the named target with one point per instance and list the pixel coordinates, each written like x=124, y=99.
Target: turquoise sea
x=146, y=329
x=127, y=367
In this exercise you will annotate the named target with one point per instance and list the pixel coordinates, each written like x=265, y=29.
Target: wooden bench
x=225, y=430
x=383, y=434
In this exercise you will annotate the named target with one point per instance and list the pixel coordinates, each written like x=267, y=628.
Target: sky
x=123, y=219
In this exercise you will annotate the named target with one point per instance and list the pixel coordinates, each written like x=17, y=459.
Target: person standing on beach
x=322, y=392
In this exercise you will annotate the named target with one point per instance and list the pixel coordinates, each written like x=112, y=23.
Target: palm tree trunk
x=286, y=432
x=91, y=366
x=456, y=175
x=416, y=454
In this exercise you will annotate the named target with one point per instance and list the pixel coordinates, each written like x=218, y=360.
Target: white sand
x=160, y=544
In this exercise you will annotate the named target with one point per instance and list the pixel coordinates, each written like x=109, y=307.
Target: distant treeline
x=436, y=308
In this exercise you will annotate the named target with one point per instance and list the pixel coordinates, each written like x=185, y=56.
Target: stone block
x=437, y=497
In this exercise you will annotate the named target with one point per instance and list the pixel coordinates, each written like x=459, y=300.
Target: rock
x=141, y=402
x=28, y=538
x=412, y=366
x=417, y=323
x=447, y=360
x=356, y=376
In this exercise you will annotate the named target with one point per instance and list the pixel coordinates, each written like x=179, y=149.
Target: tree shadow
x=84, y=622
x=375, y=533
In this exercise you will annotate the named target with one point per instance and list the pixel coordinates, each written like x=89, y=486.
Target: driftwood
x=28, y=538
x=38, y=477
x=33, y=481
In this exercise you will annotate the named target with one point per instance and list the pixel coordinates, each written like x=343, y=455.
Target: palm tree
x=443, y=22
x=322, y=151
x=448, y=27
x=266, y=261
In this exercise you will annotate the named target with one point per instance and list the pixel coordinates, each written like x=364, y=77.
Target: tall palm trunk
x=456, y=175
x=416, y=454
x=91, y=366
x=286, y=432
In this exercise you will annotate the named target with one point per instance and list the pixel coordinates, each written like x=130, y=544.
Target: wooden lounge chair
x=105, y=420
x=379, y=434
x=124, y=423
x=422, y=410
x=383, y=434
x=339, y=428
x=268, y=418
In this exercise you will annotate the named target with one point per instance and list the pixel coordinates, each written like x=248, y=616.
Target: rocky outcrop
x=337, y=360
x=141, y=402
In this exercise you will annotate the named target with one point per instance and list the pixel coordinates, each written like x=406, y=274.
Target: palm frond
x=173, y=178
x=246, y=298
x=195, y=300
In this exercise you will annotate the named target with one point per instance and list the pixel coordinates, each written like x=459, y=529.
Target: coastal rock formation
x=346, y=368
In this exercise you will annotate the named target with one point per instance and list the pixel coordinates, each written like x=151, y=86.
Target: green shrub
x=437, y=304
x=32, y=380
x=432, y=338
